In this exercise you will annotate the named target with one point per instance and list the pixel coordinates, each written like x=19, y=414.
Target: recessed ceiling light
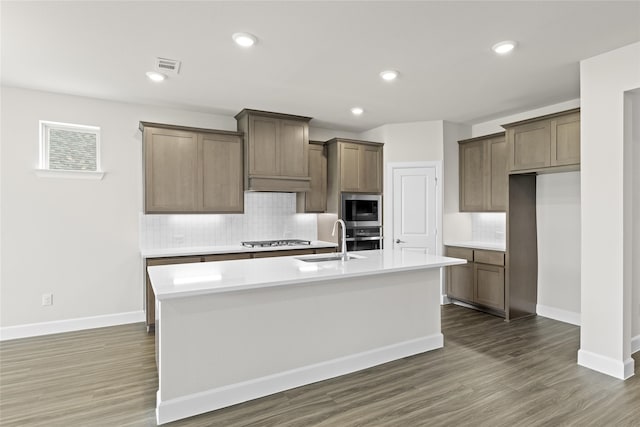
x=504, y=47
x=357, y=111
x=154, y=76
x=389, y=75
x=244, y=39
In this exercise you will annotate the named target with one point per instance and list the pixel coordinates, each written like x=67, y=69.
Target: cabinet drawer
x=324, y=250
x=227, y=257
x=273, y=254
x=173, y=260
x=456, y=252
x=488, y=257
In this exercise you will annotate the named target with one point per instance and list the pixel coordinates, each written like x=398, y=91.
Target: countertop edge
x=303, y=281
x=232, y=249
x=478, y=245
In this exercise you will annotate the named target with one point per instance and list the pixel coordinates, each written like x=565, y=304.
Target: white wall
x=457, y=226
x=632, y=203
x=605, y=335
x=77, y=239
x=405, y=142
x=558, y=210
x=324, y=134
x=558, y=225
x=495, y=125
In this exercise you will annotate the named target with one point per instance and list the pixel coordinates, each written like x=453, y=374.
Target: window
x=68, y=150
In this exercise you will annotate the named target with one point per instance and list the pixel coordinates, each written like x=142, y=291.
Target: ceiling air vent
x=168, y=66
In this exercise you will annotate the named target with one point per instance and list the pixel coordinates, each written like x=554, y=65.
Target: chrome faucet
x=344, y=237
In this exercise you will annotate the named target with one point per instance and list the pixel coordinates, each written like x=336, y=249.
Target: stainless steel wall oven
x=364, y=238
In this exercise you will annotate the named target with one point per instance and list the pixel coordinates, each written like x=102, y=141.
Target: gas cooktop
x=272, y=243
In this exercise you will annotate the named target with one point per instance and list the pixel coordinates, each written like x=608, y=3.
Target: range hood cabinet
x=276, y=151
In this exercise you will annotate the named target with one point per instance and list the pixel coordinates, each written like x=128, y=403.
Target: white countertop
x=212, y=250
x=181, y=280
x=491, y=246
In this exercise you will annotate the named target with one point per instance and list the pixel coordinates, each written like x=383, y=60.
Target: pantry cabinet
x=276, y=151
x=545, y=144
x=480, y=282
x=483, y=174
x=315, y=200
x=191, y=170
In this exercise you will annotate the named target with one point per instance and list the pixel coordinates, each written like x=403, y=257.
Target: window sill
x=53, y=173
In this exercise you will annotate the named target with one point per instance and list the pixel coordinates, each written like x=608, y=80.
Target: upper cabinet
x=483, y=174
x=545, y=143
x=275, y=151
x=315, y=200
x=355, y=166
x=191, y=170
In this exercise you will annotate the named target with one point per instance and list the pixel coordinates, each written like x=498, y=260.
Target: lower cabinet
x=460, y=282
x=489, y=285
x=150, y=298
x=481, y=281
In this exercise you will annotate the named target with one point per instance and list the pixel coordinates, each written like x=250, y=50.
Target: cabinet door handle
x=400, y=241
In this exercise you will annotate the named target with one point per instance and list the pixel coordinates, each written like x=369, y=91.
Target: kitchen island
x=232, y=331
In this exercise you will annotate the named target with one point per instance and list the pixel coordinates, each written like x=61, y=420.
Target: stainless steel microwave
x=361, y=210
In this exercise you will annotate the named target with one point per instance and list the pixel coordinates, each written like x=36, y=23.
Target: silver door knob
x=400, y=241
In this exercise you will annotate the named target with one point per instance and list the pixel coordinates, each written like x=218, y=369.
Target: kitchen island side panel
x=219, y=343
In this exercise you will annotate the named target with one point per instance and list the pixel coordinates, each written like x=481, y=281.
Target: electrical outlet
x=47, y=299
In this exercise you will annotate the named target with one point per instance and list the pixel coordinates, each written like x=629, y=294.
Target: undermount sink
x=332, y=257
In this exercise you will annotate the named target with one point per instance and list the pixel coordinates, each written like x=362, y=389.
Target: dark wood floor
x=490, y=373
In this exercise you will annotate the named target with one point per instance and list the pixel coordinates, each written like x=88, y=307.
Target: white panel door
x=414, y=209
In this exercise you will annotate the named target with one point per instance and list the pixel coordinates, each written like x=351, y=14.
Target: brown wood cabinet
x=222, y=178
x=473, y=173
x=483, y=174
x=353, y=166
x=480, y=282
x=191, y=170
x=315, y=200
x=565, y=140
x=551, y=141
x=460, y=282
x=489, y=285
x=150, y=298
x=276, y=150
x=360, y=164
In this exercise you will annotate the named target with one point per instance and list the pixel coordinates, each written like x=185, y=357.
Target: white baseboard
x=606, y=365
x=210, y=400
x=69, y=325
x=635, y=344
x=558, y=314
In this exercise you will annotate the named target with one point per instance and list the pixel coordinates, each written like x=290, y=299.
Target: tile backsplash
x=266, y=216
x=488, y=227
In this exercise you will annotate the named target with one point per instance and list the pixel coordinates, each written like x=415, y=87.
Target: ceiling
x=316, y=58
